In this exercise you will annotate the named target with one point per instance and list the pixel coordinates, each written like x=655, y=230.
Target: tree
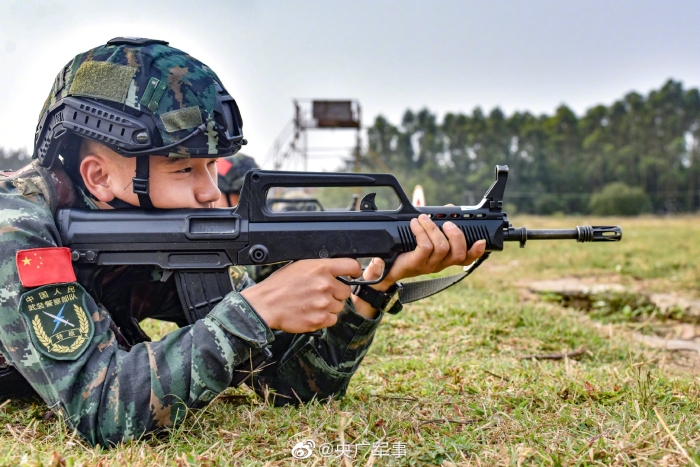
x=649, y=143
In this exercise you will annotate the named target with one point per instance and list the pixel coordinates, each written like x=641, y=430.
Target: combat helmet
x=139, y=97
x=232, y=172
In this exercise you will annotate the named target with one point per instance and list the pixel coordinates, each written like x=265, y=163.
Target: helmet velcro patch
x=181, y=119
x=103, y=80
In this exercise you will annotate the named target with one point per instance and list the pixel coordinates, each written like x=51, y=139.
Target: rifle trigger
x=166, y=274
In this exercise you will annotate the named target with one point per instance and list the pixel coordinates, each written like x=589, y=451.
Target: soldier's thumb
x=374, y=270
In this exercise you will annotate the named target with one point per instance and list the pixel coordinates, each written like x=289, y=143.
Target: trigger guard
x=360, y=282
x=385, y=272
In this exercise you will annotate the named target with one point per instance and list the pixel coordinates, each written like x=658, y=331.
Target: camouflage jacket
x=112, y=385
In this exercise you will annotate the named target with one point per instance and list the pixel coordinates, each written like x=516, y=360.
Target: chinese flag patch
x=42, y=266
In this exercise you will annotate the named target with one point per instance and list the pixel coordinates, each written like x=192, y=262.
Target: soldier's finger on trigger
x=344, y=267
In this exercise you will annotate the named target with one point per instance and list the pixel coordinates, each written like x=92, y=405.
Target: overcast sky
x=449, y=56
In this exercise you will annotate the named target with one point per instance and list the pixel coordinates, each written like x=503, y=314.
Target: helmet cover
x=140, y=97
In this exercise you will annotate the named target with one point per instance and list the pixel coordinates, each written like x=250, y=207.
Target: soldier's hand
x=435, y=251
x=303, y=296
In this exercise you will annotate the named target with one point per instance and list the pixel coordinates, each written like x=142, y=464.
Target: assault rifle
x=198, y=245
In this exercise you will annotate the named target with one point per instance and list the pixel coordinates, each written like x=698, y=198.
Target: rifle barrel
x=585, y=233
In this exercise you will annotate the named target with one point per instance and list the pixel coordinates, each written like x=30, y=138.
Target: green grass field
x=444, y=382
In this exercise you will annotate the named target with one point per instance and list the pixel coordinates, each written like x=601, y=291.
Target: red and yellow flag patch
x=42, y=266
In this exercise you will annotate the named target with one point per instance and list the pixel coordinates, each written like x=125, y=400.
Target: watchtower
x=312, y=115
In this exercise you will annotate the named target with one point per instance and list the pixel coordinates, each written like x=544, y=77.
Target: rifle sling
x=418, y=290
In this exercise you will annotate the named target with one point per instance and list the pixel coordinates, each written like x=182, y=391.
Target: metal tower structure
x=315, y=114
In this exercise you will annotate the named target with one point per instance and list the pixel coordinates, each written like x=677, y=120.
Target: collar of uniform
x=57, y=188
x=85, y=199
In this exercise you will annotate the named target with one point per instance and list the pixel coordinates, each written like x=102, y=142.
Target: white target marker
x=418, y=196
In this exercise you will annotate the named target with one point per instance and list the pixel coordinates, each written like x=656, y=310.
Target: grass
x=445, y=378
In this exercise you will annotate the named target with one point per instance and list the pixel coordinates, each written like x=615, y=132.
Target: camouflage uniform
x=118, y=385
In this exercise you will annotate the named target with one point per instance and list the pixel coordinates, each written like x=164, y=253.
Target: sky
x=448, y=56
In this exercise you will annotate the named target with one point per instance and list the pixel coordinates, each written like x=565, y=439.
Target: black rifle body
x=249, y=234
x=200, y=244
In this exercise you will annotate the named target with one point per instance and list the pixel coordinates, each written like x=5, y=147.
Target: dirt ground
x=675, y=344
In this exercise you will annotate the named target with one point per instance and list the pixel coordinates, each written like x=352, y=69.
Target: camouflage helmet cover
x=161, y=96
x=232, y=171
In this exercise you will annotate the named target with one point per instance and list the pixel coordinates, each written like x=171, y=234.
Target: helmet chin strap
x=117, y=203
x=140, y=182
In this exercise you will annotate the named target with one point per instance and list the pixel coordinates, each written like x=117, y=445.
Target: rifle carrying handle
x=258, y=182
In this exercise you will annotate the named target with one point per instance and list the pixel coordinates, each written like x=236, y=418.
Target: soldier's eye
x=186, y=170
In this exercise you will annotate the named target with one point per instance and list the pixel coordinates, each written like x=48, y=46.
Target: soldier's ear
x=99, y=176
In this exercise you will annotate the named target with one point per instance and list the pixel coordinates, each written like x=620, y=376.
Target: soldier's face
x=183, y=183
x=174, y=182
x=227, y=200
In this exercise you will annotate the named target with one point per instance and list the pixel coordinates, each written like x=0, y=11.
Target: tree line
x=639, y=154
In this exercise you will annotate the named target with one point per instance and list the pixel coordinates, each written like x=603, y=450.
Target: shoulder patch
x=57, y=319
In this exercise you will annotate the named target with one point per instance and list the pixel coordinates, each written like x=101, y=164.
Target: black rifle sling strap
x=200, y=290
x=412, y=291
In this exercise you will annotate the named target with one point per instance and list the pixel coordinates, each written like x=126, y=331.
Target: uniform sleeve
x=305, y=367
x=107, y=394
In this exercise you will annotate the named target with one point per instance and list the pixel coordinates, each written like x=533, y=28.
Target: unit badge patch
x=58, y=321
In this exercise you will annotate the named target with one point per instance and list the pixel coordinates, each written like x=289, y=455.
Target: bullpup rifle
x=198, y=245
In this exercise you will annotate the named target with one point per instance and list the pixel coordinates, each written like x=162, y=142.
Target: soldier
x=232, y=171
x=138, y=123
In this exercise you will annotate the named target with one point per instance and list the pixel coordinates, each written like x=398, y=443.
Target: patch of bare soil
x=678, y=332
x=586, y=288
x=575, y=286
